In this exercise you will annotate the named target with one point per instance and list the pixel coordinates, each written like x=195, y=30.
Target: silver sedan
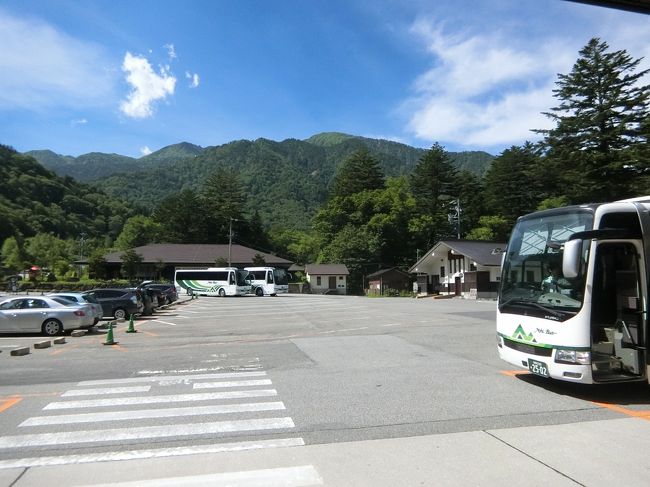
x=48, y=315
x=83, y=298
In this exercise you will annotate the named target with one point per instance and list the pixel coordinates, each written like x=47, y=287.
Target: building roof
x=482, y=252
x=386, y=271
x=198, y=254
x=327, y=269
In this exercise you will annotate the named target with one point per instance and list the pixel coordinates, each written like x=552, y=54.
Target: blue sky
x=130, y=77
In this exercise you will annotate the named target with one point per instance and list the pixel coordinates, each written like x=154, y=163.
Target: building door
x=457, y=286
x=332, y=282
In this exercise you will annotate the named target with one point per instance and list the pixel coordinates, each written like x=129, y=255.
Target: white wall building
x=460, y=267
x=332, y=278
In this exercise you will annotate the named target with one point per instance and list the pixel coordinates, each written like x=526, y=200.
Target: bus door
x=232, y=283
x=618, y=317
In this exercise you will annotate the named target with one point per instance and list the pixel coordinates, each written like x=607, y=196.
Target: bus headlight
x=499, y=341
x=572, y=357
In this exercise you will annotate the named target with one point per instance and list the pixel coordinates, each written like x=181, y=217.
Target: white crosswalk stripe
x=151, y=413
x=126, y=401
x=118, y=419
x=301, y=476
x=143, y=432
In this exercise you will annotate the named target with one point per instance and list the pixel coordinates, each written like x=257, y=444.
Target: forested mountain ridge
x=286, y=181
x=34, y=200
x=98, y=165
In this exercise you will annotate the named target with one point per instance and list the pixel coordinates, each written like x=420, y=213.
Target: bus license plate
x=538, y=368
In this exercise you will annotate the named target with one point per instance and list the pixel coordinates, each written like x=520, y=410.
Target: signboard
x=472, y=293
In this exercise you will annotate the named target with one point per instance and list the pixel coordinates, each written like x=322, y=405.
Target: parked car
x=168, y=291
x=83, y=298
x=45, y=314
x=149, y=299
x=118, y=303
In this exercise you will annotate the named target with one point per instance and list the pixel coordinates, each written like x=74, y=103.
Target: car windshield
x=64, y=301
x=90, y=298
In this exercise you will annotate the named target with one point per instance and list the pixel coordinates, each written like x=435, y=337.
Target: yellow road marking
x=7, y=403
x=513, y=373
x=620, y=409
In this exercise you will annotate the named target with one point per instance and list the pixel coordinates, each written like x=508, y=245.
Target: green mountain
x=98, y=165
x=172, y=153
x=286, y=181
x=34, y=199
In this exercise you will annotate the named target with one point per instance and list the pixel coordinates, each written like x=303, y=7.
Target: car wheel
x=259, y=292
x=222, y=292
x=52, y=327
x=119, y=314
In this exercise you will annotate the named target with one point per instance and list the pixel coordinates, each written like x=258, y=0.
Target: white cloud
x=43, y=67
x=145, y=151
x=171, y=52
x=147, y=86
x=194, y=79
x=483, y=91
x=79, y=121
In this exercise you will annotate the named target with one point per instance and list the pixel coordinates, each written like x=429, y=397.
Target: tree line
x=596, y=151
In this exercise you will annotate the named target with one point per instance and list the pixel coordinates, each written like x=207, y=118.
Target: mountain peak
x=328, y=139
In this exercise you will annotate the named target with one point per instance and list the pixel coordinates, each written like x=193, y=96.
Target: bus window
x=269, y=277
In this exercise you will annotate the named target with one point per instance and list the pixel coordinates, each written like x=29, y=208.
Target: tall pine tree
x=359, y=172
x=433, y=184
x=599, y=121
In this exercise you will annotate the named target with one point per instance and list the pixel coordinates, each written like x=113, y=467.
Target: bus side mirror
x=571, y=259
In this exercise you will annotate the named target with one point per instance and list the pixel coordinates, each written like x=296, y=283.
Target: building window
x=340, y=278
x=318, y=281
x=442, y=271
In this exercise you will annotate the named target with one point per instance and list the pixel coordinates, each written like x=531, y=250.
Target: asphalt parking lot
x=374, y=390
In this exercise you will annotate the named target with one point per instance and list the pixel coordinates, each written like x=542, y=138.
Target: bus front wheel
x=259, y=292
x=222, y=292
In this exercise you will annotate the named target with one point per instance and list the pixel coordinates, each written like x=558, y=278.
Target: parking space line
x=628, y=412
x=7, y=403
x=514, y=373
x=165, y=322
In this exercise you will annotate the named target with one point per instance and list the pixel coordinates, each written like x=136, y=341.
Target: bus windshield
x=281, y=277
x=532, y=282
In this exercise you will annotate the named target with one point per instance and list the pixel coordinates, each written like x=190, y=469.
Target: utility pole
x=230, y=240
x=82, y=241
x=455, y=216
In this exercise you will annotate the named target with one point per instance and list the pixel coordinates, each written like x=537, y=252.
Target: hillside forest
x=366, y=203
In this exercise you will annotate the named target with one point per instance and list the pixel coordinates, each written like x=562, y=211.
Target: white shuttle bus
x=268, y=281
x=213, y=281
x=573, y=298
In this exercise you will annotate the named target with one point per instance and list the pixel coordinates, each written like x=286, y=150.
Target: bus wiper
x=548, y=310
x=530, y=303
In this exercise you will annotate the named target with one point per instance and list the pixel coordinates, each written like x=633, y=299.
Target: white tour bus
x=573, y=298
x=267, y=280
x=213, y=281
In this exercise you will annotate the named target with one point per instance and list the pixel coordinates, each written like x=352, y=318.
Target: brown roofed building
x=389, y=281
x=160, y=260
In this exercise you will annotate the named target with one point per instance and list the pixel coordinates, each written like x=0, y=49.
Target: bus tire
x=259, y=292
x=222, y=292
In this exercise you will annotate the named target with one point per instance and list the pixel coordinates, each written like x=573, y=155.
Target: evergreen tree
x=182, y=218
x=138, y=230
x=131, y=261
x=599, y=121
x=13, y=256
x=359, y=172
x=433, y=184
x=223, y=199
x=97, y=265
x=512, y=187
